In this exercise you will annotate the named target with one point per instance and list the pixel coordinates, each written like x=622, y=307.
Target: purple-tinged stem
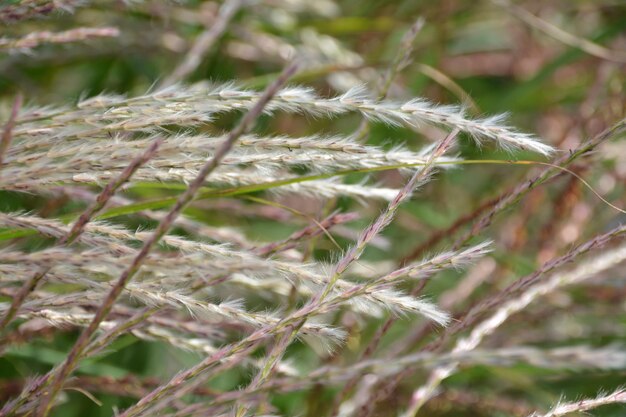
x=246, y=124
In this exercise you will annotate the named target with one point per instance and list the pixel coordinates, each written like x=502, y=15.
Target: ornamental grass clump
x=324, y=235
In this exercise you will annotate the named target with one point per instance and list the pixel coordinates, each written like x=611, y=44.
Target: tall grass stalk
x=340, y=241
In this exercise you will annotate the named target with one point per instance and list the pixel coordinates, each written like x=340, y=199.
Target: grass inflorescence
x=330, y=233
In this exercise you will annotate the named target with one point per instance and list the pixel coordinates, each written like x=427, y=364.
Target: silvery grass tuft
x=314, y=240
